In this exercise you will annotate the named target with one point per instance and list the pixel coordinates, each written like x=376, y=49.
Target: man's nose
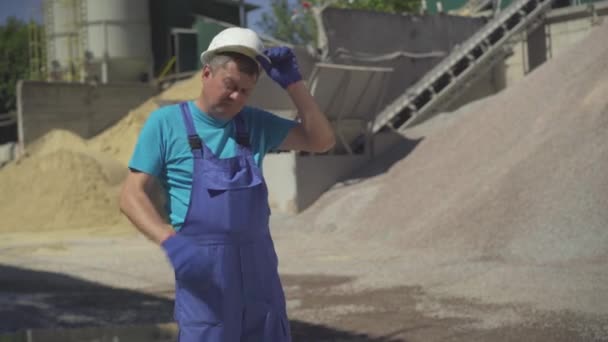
x=236, y=95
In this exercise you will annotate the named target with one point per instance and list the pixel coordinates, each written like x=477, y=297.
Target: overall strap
x=242, y=136
x=196, y=144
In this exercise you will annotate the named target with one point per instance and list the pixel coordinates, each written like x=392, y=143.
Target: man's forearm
x=140, y=210
x=318, y=129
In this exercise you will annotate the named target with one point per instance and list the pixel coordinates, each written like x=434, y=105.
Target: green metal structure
x=454, y=5
x=183, y=28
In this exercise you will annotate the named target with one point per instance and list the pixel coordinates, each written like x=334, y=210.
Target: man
x=207, y=154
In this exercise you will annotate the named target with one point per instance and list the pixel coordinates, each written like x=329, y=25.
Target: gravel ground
x=82, y=288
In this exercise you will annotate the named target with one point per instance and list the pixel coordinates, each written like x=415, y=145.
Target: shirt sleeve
x=149, y=152
x=276, y=129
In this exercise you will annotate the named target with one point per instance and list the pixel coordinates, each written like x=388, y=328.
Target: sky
x=26, y=9
x=22, y=9
x=255, y=15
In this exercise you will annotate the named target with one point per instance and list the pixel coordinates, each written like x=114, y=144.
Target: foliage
x=294, y=22
x=390, y=6
x=13, y=60
x=289, y=22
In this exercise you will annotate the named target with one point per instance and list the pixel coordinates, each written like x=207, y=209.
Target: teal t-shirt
x=162, y=148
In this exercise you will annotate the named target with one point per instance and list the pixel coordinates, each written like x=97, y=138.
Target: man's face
x=226, y=89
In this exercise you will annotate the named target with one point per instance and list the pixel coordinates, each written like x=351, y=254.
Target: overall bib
x=236, y=295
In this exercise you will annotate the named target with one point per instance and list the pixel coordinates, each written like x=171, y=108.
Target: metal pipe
x=20, y=133
x=106, y=55
x=242, y=14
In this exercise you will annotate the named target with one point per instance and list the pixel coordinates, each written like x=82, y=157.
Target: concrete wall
x=562, y=28
x=81, y=108
x=410, y=44
x=316, y=174
x=279, y=171
x=296, y=181
x=7, y=153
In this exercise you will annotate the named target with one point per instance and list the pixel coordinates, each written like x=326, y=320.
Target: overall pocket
x=199, y=288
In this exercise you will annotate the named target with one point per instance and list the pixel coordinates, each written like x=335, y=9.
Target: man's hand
x=283, y=66
x=138, y=202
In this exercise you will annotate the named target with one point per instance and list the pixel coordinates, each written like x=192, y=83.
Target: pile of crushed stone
x=509, y=177
x=503, y=200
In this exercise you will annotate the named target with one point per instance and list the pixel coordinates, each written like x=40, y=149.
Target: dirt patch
x=59, y=307
x=395, y=314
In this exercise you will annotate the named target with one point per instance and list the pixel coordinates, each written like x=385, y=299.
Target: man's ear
x=206, y=72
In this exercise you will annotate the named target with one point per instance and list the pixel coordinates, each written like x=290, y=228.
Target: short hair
x=245, y=64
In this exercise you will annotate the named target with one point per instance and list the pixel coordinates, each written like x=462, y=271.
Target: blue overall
x=236, y=294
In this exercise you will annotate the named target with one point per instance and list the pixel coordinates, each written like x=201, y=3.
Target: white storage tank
x=102, y=40
x=117, y=38
x=61, y=23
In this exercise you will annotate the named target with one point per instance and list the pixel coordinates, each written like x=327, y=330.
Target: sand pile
x=60, y=184
x=519, y=177
x=66, y=182
x=119, y=140
x=183, y=90
x=56, y=140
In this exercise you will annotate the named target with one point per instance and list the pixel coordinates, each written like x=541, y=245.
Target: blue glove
x=283, y=66
x=190, y=265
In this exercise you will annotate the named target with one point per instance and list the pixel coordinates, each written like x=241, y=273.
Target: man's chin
x=225, y=112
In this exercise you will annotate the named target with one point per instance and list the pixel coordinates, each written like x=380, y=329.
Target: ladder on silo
x=49, y=35
x=83, y=40
x=440, y=86
x=36, y=58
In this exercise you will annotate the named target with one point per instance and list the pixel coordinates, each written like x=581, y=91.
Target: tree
x=289, y=22
x=390, y=6
x=293, y=21
x=14, y=59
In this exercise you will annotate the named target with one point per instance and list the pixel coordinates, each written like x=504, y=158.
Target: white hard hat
x=235, y=39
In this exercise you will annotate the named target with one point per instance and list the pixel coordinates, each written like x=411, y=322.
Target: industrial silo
x=117, y=39
x=105, y=41
x=61, y=24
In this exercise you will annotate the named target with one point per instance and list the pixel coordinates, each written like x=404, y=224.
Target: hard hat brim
x=251, y=53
